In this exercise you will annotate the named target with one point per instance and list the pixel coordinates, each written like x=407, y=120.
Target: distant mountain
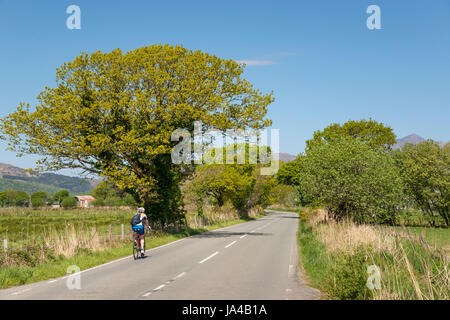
x=15, y=178
x=412, y=138
x=286, y=157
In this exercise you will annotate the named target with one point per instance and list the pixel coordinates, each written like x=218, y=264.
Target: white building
x=84, y=201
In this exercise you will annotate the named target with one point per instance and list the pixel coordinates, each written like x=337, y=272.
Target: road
x=256, y=260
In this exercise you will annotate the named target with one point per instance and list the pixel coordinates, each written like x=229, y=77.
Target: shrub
x=348, y=276
x=69, y=202
x=351, y=179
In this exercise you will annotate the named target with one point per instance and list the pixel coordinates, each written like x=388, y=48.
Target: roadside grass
x=37, y=261
x=337, y=257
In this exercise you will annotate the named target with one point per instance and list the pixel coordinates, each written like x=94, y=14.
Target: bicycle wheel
x=135, y=251
x=135, y=247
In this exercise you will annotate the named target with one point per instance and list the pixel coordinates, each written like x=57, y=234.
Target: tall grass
x=411, y=267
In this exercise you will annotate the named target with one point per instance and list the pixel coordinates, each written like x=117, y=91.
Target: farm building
x=84, y=201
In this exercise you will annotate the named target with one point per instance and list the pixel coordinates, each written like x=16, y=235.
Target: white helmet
x=141, y=210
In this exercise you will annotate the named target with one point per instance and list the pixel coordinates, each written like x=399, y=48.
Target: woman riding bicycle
x=138, y=222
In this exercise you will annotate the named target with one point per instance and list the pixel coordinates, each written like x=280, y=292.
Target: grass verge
x=342, y=259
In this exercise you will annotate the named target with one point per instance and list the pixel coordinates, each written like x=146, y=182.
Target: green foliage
x=166, y=205
x=69, y=202
x=26, y=186
x=347, y=278
x=28, y=256
x=284, y=195
x=60, y=195
x=108, y=194
x=367, y=131
x=48, y=182
x=425, y=169
x=241, y=184
x=352, y=179
x=113, y=114
x=14, y=198
x=39, y=199
x=289, y=173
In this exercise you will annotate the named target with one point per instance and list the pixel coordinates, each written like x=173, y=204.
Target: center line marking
x=229, y=245
x=180, y=275
x=243, y=236
x=160, y=287
x=147, y=294
x=217, y=252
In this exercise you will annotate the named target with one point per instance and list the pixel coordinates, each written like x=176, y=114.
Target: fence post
x=110, y=231
x=5, y=244
x=123, y=233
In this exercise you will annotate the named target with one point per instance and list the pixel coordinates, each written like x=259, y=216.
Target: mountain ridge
x=414, y=139
x=12, y=177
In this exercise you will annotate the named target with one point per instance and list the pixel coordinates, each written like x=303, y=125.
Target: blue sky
x=318, y=57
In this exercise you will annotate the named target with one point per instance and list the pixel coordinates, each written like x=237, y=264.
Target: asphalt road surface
x=256, y=260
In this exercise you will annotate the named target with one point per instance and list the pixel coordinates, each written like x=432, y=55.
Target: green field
x=20, y=225
x=436, y=237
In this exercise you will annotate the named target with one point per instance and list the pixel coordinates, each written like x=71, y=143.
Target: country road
x=253, y=260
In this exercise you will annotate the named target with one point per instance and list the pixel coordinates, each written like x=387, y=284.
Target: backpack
x=136, y=219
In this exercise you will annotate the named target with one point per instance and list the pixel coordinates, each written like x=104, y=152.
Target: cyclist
x=138, y=222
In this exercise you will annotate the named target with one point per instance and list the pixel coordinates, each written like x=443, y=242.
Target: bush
x=69, y=202
x=425, y=171
x=352, y=179
x=37, y=202
x=28, y=256
x=348, y=276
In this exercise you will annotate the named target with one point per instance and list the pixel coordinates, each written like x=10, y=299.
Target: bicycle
x=137, y=254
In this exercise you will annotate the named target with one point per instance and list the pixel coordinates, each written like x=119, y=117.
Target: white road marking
x=19, y=292
x=206, y=259
x=147, y=294
x=51, y=281
x=243, y=236
x=229, y=245
x=160, y=287
x=180, y=275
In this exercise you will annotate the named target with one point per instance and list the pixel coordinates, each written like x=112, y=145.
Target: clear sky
x=319, y=58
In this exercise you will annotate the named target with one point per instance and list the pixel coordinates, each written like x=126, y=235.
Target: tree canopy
x=425, y=169
x=371, y=132
x=113, y=114
x=352, y=179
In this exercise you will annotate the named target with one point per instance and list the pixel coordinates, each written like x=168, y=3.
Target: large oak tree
x=112, y=114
